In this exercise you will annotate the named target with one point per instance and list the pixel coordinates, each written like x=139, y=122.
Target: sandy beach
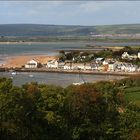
x=19, y=61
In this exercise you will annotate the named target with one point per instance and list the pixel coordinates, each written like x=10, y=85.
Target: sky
x=70, y=12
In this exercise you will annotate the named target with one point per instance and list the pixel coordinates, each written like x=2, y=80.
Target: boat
x=80, y=82
x=14, y=73
x=31, y=75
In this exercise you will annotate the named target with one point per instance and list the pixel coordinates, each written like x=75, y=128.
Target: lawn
x=133, y=95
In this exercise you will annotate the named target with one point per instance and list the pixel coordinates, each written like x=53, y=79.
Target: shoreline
x=13, y=62
x=70, y=71
x=53, y=42
x=16, y=63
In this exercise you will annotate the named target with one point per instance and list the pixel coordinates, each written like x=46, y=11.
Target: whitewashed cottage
x=52, y=64
x=32, y=64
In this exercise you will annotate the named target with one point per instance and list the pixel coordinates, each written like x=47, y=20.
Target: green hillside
x=119, y=29
x=65, y=30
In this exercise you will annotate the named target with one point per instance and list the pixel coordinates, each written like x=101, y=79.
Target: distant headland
x=43, y=33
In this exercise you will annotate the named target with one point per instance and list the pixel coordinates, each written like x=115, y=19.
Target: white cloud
x=90, y=7
x=94, y=6
x=67, y=12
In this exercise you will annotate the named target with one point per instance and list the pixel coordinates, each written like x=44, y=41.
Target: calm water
x=49, y=48
x=55, y=78
x=7, y=50
x=42, y=48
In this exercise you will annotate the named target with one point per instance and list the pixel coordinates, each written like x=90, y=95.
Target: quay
x=95, y=72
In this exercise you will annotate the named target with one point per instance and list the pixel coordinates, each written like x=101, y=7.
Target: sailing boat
x=82, y=80
x=31, y=75
x=78, y=83
x=13, y=73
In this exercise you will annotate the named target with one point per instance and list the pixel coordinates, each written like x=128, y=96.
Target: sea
x=50, y=48
x=58, y=79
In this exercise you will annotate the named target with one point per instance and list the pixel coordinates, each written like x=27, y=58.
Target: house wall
x=52, y=64
x=67, y=67
x=111, y=67
x=31, y=64
x=139, y=55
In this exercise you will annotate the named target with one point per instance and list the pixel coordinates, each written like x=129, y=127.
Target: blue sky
x=70, y=12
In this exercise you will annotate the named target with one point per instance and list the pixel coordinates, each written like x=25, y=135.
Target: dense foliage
x=86, y=112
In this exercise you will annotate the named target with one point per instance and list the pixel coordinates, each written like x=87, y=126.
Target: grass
x=133, y=95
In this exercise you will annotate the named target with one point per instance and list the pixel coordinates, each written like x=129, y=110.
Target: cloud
x=91, y=7
x=69, y=12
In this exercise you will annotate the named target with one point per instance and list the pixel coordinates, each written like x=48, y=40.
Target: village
x=95, y=64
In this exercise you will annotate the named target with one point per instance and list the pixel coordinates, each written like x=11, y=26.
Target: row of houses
x=99, y=64
x=55, y=64
x=126, y=55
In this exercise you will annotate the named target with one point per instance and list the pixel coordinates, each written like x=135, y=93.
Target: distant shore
x=39, y=42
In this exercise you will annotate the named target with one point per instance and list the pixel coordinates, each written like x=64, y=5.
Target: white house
x=94, y=66
x=139, y=55
x=61, y=65
x=128, y=67
x=132, y=69
x=32, y=64
x=132, y=56
x=78, y=66
x=99, y=60
x=105, y=62
x=125, y=55
x=88, y=66
x=67, y=66
x=123, y=68
x=111, y=67
x=52, y=64
x=100, y=68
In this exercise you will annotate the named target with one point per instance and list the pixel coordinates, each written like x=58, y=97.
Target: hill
x=65, y=30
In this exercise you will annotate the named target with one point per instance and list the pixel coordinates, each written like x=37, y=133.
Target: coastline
x=71, y=71
x=45, y=42
x=16, y=63
x=13, y=62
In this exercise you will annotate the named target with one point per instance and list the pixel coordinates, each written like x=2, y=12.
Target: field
x=133, y=95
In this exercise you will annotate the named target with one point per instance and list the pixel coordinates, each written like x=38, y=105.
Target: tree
x=90, y=111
